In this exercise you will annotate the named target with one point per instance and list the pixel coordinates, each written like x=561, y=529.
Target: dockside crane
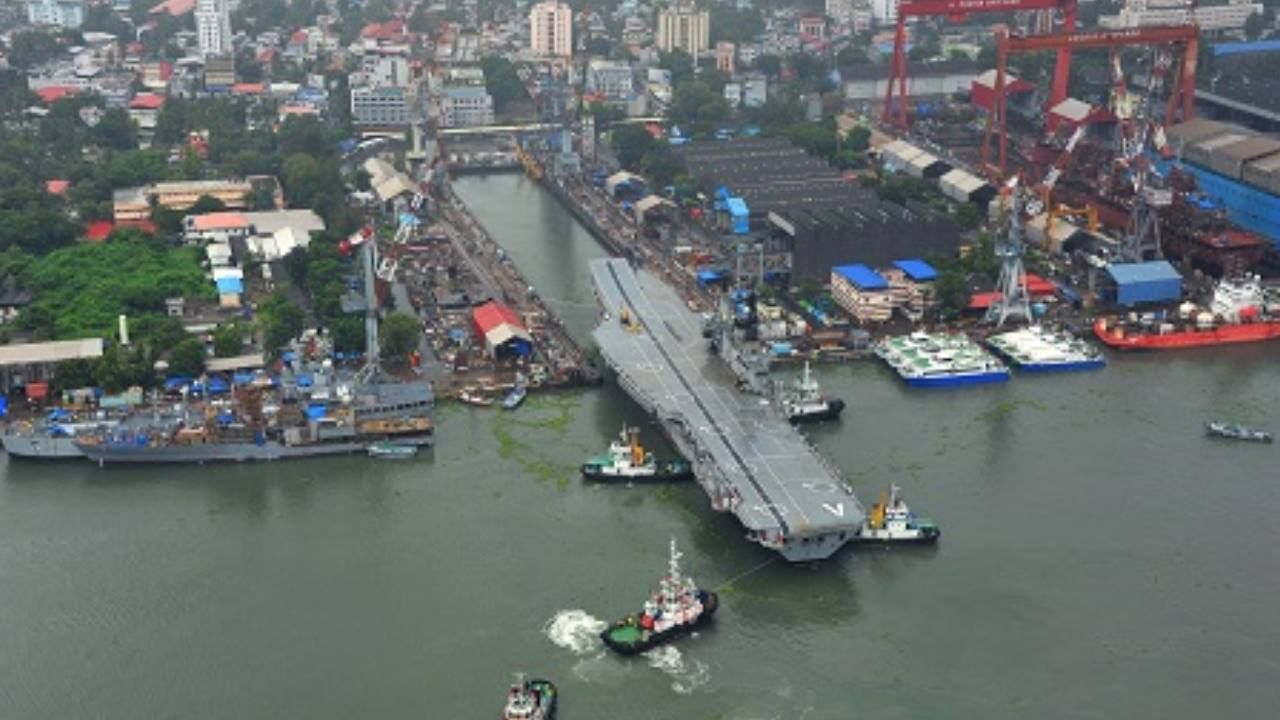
x=895, y=112
x=1014, y=302
x=1181, y=96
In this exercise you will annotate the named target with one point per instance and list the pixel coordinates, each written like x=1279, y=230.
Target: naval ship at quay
x=716, y=404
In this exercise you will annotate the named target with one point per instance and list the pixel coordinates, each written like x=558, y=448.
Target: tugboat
x=805, y=403
x=1231, y=431
x=628, y=460
x=530, y=700
x=675, y=608
x=892, y=522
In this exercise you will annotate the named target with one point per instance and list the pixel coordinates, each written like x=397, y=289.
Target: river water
x=1100, y=558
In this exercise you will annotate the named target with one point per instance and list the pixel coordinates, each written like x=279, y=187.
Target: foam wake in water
x=575, y=630
x=686, y=675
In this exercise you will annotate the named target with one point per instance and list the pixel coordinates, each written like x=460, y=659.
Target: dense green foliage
x=398, y=335
x=188, y=357
x=79, y=291
x=735, y=25
x=228, y=340
x=281, y=322
x=502, y=82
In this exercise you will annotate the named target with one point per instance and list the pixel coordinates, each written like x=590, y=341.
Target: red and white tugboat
x=530, y=700
x=675, y=608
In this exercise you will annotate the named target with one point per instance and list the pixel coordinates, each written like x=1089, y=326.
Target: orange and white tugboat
x=530, y=700
x=1240, y=312
x=675, y=608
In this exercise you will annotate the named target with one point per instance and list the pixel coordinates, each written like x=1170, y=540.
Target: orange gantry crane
x=895, y=112
x=1181, y=96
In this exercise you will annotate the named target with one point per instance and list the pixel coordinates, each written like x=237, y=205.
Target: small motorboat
x=1231, y=431
x=392, y=451
x=515, y=397
x=471, y=396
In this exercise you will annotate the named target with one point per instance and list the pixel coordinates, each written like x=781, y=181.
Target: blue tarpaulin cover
x=305, y=380
x=4, y=406
x=739, y=214
x=218, y=385
x=917, y=270
x=229, y=286
x=242, y=378
x=315, y=411
x=862, y=277
x=175, y=382
x=707, y=277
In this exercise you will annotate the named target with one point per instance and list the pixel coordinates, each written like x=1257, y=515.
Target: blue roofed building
x=862, y=292
x=739, y=216
x=1155, y=281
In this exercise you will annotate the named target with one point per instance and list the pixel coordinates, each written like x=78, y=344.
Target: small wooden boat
x=470, y=396
x=1231, y=431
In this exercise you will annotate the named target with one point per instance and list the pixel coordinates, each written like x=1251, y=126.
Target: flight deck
x=745, y=454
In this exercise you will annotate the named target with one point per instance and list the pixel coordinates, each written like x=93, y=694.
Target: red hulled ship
x=1240, y=312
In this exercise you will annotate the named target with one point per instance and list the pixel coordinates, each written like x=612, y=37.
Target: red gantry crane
x=895, y=113
x=1182, y=92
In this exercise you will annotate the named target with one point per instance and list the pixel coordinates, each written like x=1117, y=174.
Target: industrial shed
x=1145, y=282
x=504, y=335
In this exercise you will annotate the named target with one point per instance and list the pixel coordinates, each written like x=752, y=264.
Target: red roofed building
x=504, y=335
x=393, y=29
x=53, y=93
x=57, y=187
x=267, y=56
x=98, y=230
x=247, y=89
x=146, y=101
x=173, y=8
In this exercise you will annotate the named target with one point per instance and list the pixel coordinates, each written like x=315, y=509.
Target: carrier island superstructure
x=712, y=401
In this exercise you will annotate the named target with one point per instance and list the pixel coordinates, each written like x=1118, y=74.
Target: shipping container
x=1264, y=173
x=1201, y=152
x=1229, y=160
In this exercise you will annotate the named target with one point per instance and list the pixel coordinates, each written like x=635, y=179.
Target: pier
x=745, y=454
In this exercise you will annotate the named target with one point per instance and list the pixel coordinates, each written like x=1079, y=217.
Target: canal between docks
x=1099, y=558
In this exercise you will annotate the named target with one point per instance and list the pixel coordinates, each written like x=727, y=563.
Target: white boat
x=392, y=451
x=891, y=521
x=471, y=396
x=806, y=403
x=940, y=360
x=1040, y=349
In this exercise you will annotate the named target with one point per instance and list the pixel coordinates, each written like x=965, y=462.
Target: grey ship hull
x=746, y=456
x=104, y=454
x=33, y=446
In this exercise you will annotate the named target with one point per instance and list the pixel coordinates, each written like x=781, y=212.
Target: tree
x=1253, y=26
x=952, y=290
x=735, y=25
x=282, y=321
x=228, y=341
x=859, y=138
x=631, y=143
x=33, y=47
x=187, y=357
x=348, y=334
x=167, y=220
x=502, y=82
x=853, y=55
x=679, y=64
x=116, y=131
x=206, y=204
x=967, y=217
x=399, y=335
x=770, y=65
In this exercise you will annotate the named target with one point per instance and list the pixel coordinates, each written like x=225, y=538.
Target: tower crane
x=895, y=113
x=1182, y=92
x=1013, y=302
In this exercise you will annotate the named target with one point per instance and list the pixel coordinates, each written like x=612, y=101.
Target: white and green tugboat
x=891, y=522
x=628, y=460
x=675, y=608
x=806, y=403
x=530, y=699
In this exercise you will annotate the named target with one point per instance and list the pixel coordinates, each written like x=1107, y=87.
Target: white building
x=840, y=11
x=381, y=106
x=614, y=80
x=1144, y=13
x=213, y=27
x=385, y=69
x=61, y=13
x=755, y=91
x=465, y=106
x=551, y=29
x=684, y=27
x=884, y=11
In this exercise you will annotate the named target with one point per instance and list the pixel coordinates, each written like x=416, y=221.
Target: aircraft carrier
x=715, y=407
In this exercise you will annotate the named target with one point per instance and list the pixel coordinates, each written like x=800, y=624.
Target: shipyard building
x=808, y=216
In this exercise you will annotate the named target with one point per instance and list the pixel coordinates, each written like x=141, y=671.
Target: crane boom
x=959, y=11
